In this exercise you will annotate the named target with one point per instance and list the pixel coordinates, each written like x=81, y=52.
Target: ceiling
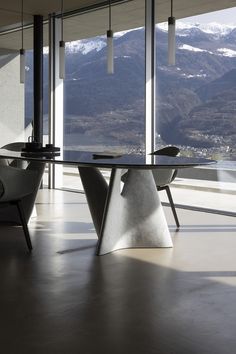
x=10, y=10
x=125, y=15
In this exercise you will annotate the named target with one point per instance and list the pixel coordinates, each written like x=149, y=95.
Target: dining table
x=125, y=214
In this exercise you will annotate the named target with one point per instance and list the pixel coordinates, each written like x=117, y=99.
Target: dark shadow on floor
x=76, y=302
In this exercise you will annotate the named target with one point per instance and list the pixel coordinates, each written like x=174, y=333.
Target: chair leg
x=172, y=206
x=24, y=224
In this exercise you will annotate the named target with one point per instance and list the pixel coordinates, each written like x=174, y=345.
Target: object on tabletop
x=106, y=155
x=33, y=148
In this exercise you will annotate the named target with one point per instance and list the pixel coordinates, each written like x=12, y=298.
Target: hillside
x=195, y=99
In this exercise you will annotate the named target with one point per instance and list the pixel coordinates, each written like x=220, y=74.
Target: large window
x=195, y=98
x=104, y=111
x=29, y=94
x=196, y=102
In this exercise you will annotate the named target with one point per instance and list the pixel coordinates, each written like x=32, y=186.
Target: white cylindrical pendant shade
x=110, y=53
x=171, y=40
x=22, y=66
x=62, y=60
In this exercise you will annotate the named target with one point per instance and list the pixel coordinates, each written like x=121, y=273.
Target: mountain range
x=196, y=98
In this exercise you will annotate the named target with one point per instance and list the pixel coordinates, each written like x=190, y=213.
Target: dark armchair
x=19, y=183
x=15, y=185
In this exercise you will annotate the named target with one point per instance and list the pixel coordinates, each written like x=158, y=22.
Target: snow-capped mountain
x=85, y=46
x=185, y=28
x=214, y=33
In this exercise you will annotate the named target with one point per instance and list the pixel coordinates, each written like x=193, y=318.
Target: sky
x=224, y=17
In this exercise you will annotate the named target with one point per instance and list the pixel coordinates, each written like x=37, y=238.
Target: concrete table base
x=128, y=215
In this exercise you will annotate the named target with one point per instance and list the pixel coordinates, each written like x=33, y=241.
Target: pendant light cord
x=110, y=15
x=62, y=19
x=22, y=24
x=171, y=8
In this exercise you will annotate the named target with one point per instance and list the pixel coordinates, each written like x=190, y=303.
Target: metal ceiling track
x=66, y=14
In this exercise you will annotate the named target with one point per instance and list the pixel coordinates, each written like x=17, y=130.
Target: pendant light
x=110, y=54
x=22, y=51
x=62, y=47
x=171, y=37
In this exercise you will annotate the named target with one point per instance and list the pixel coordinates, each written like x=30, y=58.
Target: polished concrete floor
x=64, y=299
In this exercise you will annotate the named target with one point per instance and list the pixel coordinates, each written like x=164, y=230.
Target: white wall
x=11, y=98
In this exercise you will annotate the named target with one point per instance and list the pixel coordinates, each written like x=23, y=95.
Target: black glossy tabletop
x=93, y=159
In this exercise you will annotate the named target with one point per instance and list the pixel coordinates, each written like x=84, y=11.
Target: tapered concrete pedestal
x=126, y=215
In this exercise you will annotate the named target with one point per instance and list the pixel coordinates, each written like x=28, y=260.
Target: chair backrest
x=164, y=177
x=21, y=184
x=16, y=146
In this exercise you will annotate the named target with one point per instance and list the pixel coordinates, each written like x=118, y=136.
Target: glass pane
x=196, y=103
x=29, y=96
x=105, y=112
